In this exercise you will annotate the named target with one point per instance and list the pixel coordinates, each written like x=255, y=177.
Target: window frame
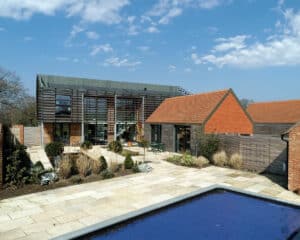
x=64, y=104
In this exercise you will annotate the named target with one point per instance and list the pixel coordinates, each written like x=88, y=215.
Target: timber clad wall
x=229, y=118
x=1, y=155
x=259, y=153
x=168, y=137
x=294, y=159
x=275, y=129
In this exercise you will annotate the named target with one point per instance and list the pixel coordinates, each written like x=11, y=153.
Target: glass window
x=63, y=105
x=156, y=133
x=127, y=109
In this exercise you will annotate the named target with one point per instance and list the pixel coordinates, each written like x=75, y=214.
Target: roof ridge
x=198, y=94
x=275, y=101
x=104, y=80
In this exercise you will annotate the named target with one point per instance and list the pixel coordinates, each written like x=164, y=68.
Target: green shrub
x=187, y=160
x=107, y=174
x=86, y=145
x=54, y=149
x=201, y=162
x=66, y=167
x=36, y=171
x=208, y=145
x=176, y=159
x=83, y=165
x=128, y=163
x=18, y=167
x=220, y=159
x=103, y=163
x=125, y=152
x=115, y=146
x=135, y=167
x=235, y=161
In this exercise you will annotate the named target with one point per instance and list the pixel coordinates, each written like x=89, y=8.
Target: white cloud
x=143, y=48
x=28, y=39
x=208, y=4
x=152, y=29
x=117, y=62
x=237, y=42
x=75, y=30
x=92, y=35
x=281, y=49
x=101, y=48
x=89, y=11
x=171, y=68
x=187, y=70
x=174, y=12
x=165, y=10
x=62, y=59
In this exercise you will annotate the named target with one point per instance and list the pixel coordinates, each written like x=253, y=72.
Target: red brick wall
x=229, y=118
x=18, y=132
x=75, y=133
x=294, y=160
x=48, y=132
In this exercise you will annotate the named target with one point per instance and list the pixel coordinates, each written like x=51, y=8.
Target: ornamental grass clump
x=201, y=162
x=83, y=165
x=96, y=166
x=235, y=161
x=219, y=159
x=66, y=167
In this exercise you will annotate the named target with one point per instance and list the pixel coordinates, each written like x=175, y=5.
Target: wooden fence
x=259, y=153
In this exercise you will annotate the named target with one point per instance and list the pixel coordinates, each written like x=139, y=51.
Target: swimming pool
x=216, y=214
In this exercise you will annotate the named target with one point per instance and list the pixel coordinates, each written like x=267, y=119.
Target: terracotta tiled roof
x=187, y=109
x=275, y=112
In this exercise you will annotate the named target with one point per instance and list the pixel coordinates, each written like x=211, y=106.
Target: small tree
x=103, y=163
x=208, y=144
x=18, y=167
x=144, y=144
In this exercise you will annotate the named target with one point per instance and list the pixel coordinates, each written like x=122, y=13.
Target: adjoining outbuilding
x=274, y=118
x=176, y=122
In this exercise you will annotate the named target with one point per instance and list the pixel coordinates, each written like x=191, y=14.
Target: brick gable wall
x=229, y=118
x=294, y=160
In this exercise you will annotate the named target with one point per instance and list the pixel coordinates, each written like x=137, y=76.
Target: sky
x=251, y=46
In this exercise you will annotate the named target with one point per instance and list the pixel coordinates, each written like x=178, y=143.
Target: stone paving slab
x=55, y=212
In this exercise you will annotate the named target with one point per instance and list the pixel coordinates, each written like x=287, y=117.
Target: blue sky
x=252, y=46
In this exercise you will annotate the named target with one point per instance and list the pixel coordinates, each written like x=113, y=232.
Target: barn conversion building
x=176, y=122
x=274, y=118
x=72, y=110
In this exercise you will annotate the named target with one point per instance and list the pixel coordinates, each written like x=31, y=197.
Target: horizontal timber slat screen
x=259, y=153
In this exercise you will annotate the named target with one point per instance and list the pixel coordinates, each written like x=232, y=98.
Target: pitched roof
x=275, y=112
x=53, y=81
x=187, y=109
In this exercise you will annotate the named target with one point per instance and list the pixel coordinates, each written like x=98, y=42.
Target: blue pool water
x=218, y=214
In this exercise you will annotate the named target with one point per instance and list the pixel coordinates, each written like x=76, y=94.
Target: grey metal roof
x=52, y=81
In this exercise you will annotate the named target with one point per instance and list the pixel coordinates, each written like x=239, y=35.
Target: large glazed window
x=62, y=105
x=156, y=133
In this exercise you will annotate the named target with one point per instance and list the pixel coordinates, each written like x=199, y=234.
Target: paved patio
x=52, y=213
